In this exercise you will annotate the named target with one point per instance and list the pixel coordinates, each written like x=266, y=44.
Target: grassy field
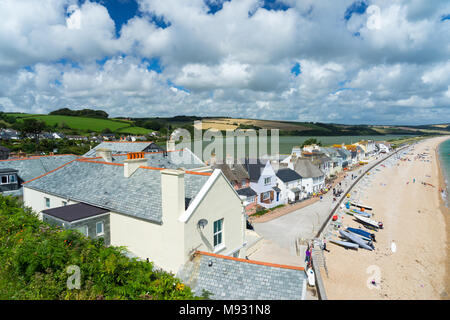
x=86, y=124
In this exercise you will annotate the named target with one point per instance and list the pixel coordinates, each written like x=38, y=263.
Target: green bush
x=35, y=256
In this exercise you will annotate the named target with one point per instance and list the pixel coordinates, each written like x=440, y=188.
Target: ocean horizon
x=444, y=158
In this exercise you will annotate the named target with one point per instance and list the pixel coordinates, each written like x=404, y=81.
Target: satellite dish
x=202, y=223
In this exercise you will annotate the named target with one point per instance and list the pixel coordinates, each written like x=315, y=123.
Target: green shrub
x=34, y=259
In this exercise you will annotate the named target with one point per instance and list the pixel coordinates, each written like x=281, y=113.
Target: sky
x=352, y=62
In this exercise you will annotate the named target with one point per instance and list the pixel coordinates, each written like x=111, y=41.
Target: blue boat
x=366, y=235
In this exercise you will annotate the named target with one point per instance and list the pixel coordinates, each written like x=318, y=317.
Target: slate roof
x=306, y=169
x=119, y=147
x=287, y=175
x=248, y=192
x=104, y=186
x=239, y=279
x=235, y=172
x=74, y=212
x=159, y=160
x=33, y=167
x=254, y=169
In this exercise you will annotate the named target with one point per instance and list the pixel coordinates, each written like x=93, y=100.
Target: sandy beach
x=415, y=219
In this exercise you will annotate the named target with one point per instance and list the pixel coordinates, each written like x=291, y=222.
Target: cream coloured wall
x=220, y=202
x=36, y=200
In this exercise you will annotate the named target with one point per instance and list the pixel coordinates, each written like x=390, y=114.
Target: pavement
x=281, y=234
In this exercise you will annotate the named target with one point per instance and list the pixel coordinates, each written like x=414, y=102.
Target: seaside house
x=240, y=180
x=163, y=215
x=336, y=160
x=290, y=184
x=263, y=181
x=368, y=146
x=346, y=157
x=383, y=146
x=313, y=179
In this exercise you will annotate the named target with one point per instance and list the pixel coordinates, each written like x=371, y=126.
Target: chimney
x=105, y=153
x=173, y=207
x=133, y=162
x=172, y=193
x=170, y=145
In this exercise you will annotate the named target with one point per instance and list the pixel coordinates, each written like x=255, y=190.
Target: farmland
x=84, y=124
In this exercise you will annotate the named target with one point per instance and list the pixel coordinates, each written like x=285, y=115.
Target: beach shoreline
x=446, y=214
x=414, y=218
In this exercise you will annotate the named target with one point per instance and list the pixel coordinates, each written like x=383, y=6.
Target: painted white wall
x=36, y=200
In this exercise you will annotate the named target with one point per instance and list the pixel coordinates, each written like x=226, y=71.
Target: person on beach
x=307, y=255
x=324, y=245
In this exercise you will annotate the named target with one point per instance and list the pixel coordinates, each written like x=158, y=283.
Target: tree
x=310, y=141
x=32, y=126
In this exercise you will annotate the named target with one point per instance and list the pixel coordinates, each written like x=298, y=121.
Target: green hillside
x=84, y=124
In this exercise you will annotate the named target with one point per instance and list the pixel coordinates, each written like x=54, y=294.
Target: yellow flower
x=180, y=287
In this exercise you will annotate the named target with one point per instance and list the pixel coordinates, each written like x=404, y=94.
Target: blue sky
x=352, y=62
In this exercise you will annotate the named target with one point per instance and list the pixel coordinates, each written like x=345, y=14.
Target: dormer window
x=4, y=180
x=267, y=180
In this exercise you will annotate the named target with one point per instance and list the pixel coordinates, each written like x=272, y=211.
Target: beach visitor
x=324, y=247
x=308, y=255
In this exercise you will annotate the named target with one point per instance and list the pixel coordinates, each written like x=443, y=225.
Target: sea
x=287, y=142
x=444, y=157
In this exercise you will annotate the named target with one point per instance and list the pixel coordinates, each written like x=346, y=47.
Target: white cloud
x=230, y=63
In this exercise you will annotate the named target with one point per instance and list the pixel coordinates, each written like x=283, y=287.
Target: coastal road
x=306, y=222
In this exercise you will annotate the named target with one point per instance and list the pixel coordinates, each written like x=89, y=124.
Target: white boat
x=345, y=244
x=359, y=205
x=352, y=237
x=368, y=221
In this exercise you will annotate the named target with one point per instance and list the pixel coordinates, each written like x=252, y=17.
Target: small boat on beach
x=362, y=243
x=363, y=234
x=370, y=222
x=362, y=213
x=345, y=244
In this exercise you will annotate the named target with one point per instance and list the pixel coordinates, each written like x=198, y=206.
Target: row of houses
x=300, y=175
x=11, y=134
x=165, y=206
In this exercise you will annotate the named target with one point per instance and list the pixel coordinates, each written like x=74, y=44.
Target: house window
x=83, y=230
x=64, y=203
x=266, y=195
x=99, y=228
x=244, y=182
x=218, y=230
x=236, y=254
x=12, y=178
x=47, y=202
x=4, y=179
x=267, y=180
